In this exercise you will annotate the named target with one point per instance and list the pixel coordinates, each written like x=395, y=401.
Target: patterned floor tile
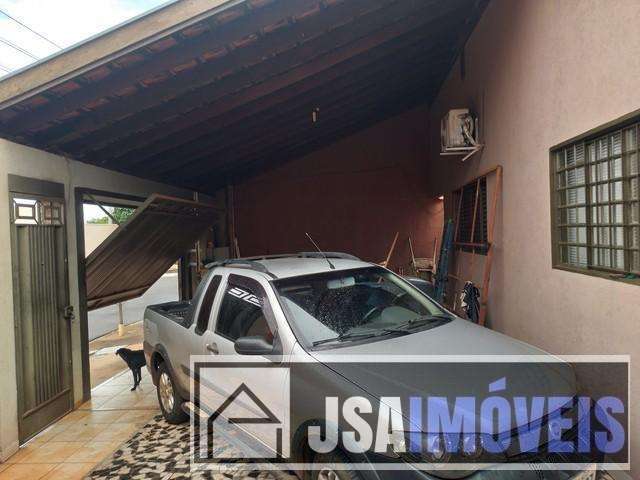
x=161, y=451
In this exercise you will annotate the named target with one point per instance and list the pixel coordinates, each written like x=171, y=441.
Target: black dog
x=135, y=361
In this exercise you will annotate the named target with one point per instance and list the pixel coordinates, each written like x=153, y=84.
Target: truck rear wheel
x=168, y=397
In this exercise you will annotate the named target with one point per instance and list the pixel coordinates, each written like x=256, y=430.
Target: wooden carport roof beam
x=220, y=36
x=202, y=122
x=304, y=40
x=341, y=129
x=227, y=142
x=338, y=64
x=285, y=119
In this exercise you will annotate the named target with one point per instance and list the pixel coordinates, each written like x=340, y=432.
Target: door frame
x=83, y=312
x=19, y=185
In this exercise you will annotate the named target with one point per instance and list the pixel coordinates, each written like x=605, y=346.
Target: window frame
x=628, y=157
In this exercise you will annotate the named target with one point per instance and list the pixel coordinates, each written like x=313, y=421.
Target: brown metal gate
x=42, y=315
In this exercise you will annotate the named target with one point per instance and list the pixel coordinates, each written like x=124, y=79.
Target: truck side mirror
x=254, y=345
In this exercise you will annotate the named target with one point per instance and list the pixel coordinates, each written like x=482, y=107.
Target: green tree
x=121, y=214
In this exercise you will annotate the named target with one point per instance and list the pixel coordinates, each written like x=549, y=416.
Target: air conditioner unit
x=459, y=133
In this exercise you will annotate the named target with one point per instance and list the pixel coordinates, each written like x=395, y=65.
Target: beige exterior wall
x=20, y=160
x=95, y=234
x=540, y=72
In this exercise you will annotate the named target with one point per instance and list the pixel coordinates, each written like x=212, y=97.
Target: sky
x=64, y=22
x=92, y=212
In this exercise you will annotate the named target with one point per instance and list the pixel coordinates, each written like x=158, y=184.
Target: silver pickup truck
x=314, y=306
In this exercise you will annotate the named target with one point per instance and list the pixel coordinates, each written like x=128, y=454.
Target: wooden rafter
x=256, y=99
x=232, y=95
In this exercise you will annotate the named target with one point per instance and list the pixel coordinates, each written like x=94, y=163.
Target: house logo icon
x=243, y=411
x=269, y=417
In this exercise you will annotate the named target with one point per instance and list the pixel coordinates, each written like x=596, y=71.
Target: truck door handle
x=212, y=347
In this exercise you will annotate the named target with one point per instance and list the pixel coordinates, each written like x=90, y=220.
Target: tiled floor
x=75, y=444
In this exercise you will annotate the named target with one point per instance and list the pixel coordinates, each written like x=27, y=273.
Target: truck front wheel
x=170, y=401
x=327, y=469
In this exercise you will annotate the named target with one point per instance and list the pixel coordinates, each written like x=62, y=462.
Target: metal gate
x=42, y=314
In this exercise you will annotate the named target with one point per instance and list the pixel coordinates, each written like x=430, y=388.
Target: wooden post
x=488, y=261
x=120, y=320
x=473, y=229
x=393, y=247
x=454, y=250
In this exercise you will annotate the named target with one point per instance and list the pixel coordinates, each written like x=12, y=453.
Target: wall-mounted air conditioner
x=459, y=133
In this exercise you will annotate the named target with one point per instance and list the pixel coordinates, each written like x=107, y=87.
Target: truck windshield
x=357, y=304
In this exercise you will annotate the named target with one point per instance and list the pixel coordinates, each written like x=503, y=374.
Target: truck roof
x=293, y=265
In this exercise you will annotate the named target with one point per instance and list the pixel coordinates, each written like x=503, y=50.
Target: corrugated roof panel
x=141, y=250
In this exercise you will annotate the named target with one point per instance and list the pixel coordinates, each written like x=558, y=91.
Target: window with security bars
x=597, y=216
x=472, y=226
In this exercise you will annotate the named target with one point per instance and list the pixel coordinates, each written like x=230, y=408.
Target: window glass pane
x=617, y=236
x=562, y=179
x=616, y=143
x=560, y=163
x=602, y=194
x=601, y=172
x=575, y=177
x=603, y=214
x=630, y=139
x=591, y=152
x=616, y=191
x=633, y=189
x=573, y=196
x=632, y=162
x=635, y=261
x=582, y=235
x=618, y=259
x=561, y=216
x=570, y=157
x=604, y=257
x=582, y=256
x=616, y=167
x=603, y=236
x=241, y=314
x=617, y=216
x=634, y=237
x=634, y=214
x=563, y=255
x=580, y=153
x=581, y=214
x=603, y=148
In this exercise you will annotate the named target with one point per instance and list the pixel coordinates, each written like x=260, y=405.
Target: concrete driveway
x=105, y=320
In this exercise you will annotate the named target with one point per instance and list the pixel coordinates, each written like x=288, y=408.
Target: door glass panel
x=242, y=314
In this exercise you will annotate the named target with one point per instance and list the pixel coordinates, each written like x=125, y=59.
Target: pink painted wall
x=540, y=72
x=352, y=196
